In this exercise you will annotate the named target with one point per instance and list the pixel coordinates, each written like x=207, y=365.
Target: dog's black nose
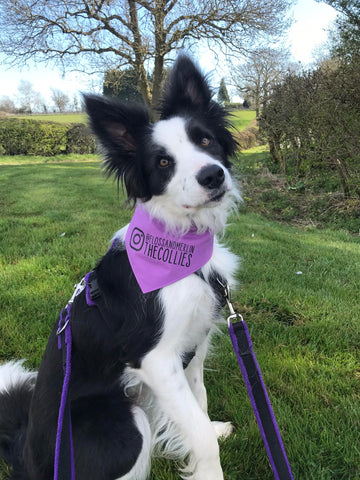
x=211, y=176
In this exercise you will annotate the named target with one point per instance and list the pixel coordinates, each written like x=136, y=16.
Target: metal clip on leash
x=233, y=317
x=258, y=395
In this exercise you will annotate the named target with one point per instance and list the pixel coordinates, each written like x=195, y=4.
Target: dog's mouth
x=216, y=197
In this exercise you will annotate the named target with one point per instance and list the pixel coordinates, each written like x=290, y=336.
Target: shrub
x=30, y=137
x=79, y=139
x=234, y=106
x=249, y=137
x=312, y=123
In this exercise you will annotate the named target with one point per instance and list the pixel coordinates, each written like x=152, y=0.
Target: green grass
x=35, y=159
x=240, y=119
x=305, y=328
x=58, y=117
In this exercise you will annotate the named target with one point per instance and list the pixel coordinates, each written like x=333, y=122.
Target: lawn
x=35, y=159
x=57, y=220
x=58, y=117
x=240, y=119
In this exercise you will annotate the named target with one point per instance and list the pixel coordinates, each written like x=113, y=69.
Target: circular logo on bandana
x=137, y=239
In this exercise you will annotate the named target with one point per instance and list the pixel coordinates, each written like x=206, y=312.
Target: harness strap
x=92, y=291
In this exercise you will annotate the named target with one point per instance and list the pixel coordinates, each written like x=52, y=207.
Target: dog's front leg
x=163, y=373
x=195, y=377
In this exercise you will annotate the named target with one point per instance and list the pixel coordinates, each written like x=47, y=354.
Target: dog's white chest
x=190, y=305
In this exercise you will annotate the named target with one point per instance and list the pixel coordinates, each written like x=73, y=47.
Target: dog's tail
x=16, y=389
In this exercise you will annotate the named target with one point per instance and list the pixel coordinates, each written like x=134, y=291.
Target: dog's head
x=179, y=166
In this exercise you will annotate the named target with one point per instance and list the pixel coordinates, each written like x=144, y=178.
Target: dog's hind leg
x=141, y=469
x=16, y=387
x=112, y=439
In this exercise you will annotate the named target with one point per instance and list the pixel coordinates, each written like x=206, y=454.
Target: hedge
x=79, y=139
x=249, y=137
x=32, y=137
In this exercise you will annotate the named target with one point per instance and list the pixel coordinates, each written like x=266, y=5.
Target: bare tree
x=136, y=33
x=255, y=78
x=29, y=99
x=60, y=99
x=7, y=105
x=75, y=103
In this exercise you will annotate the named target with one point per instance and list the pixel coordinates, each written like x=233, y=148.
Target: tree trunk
x=275, y=152
x=341, y=169
x=161, y=50
x=157, y=84
x=139, y=51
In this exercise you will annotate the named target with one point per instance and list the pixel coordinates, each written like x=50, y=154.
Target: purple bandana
x=159, y=258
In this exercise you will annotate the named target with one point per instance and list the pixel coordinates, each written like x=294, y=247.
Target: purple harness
x=64, y=464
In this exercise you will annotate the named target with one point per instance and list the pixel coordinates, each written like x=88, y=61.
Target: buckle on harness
x=62, y=328
x=78, y=288
x=233, y=317
x=93, y=286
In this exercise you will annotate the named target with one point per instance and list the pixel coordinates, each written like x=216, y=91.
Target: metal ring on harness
x=60, y=330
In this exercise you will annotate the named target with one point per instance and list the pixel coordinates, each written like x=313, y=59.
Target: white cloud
x=312, y=20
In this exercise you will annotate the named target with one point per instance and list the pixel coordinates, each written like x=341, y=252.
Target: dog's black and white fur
x=131, y=397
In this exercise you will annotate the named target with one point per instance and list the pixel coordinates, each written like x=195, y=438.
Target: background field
x=58, y=117
x=240, y=119
x=56, y=221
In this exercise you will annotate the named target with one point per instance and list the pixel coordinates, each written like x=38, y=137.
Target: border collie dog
x=139, y=340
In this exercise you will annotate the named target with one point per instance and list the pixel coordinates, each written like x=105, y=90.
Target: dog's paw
x=223, y=429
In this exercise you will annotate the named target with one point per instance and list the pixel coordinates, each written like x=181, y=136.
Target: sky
x=311, y=20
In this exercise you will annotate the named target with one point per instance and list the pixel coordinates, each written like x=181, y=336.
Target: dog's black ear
x=187, y=91
x=186, y=88
x=120, y=128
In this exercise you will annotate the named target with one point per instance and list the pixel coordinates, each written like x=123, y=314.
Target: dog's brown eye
x=205, y=142
x=164, y=162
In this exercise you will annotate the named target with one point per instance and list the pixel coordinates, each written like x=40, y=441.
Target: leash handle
x=258, y=395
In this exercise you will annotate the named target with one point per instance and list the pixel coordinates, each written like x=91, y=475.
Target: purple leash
x=258, y=395
x=63, y=469
x=64, y=464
